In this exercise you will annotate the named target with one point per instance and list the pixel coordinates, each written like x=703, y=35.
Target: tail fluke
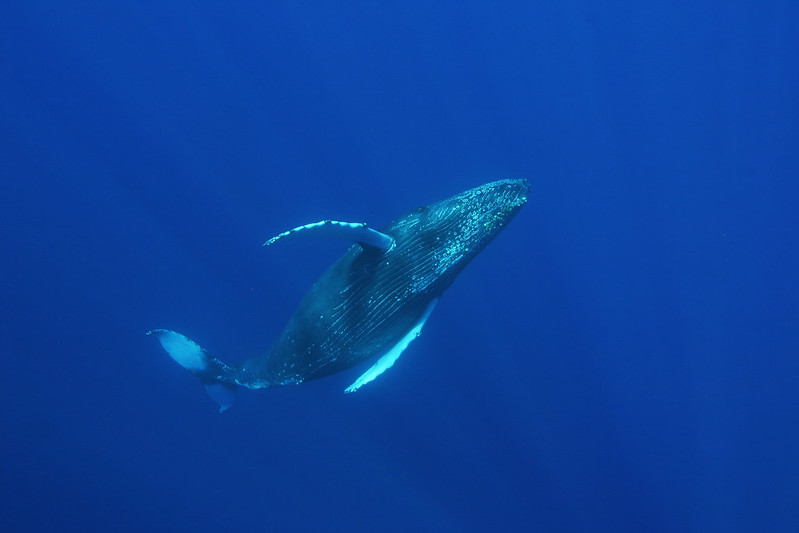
x=224, y=394
x=196, y=360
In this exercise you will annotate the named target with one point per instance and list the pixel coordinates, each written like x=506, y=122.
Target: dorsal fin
x=349, y=231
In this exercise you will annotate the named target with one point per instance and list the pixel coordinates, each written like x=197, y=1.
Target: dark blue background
x=622, y=358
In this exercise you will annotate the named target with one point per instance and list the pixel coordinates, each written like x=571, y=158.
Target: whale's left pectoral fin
x=348, y=231
x=388, y=359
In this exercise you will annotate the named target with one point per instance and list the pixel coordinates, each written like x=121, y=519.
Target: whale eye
x=418, y=210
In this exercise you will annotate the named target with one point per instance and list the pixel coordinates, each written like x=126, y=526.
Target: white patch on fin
x=185, y=351
x=387, y=360
x=349, y=231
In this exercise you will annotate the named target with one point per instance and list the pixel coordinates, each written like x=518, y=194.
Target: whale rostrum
x=372, y=302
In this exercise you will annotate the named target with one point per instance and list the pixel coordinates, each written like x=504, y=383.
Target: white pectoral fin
x=387, y=360
x=349, y=231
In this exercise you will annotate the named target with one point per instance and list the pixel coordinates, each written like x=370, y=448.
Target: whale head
x=447, y=235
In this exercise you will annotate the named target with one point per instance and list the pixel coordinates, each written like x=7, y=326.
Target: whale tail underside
x=196, y=360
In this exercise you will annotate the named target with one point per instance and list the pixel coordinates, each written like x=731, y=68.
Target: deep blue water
x=624, y=357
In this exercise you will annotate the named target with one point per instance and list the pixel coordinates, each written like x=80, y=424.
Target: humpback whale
x=372, y=302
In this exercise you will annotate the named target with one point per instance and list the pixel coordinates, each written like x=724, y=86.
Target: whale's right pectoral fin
x=388, y=359
x=348, y=231
x=196, y=360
